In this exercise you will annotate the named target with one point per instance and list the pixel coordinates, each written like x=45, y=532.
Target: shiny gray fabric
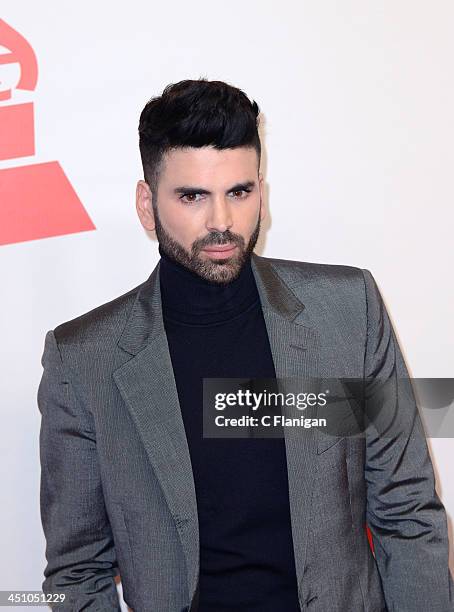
x=117, y=492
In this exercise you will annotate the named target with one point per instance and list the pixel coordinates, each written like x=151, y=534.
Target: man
x=130, y=483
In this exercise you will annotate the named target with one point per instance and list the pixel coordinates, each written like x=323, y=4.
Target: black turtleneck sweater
x=246, y=549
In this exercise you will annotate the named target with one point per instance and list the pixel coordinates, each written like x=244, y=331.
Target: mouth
x=220, y=251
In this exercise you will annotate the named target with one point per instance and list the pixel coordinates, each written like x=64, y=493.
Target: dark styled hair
x=195, y=113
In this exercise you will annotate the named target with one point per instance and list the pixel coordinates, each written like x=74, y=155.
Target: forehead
x=208, y=163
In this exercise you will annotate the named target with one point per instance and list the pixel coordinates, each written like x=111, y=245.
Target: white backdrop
x=357, y=100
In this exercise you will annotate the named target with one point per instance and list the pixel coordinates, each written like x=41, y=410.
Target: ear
x=262, y=197
x=144, y=206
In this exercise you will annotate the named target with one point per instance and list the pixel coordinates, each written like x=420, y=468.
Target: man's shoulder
x=314, y=271
x=322, y=286
x=104, y=322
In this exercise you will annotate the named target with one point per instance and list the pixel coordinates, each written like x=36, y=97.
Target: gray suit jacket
x=117, y=490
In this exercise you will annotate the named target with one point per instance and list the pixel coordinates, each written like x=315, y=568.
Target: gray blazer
x=117, y=490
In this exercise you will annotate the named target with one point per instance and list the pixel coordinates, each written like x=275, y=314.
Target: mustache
x=218, y=240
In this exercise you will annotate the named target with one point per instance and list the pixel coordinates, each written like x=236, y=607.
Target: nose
x=220, y=215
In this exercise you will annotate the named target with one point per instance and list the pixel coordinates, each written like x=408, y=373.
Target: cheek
x=185, y=225
x=245, y=220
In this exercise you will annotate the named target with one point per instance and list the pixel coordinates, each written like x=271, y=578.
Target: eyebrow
x=190, y=190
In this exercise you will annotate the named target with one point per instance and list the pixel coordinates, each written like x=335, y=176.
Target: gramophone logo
x=36, y=200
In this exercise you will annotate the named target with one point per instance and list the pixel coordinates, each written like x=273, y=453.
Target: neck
x=188, y=298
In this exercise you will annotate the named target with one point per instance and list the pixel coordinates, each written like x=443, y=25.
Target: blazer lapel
x=294, y=347
x=147, y=385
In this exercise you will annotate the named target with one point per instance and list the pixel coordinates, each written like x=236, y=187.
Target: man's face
x=207, y=200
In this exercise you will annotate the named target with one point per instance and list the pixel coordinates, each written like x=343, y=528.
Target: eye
x=189, y=198
x=241, y=191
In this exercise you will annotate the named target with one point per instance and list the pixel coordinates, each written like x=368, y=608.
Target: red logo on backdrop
x=36, y=200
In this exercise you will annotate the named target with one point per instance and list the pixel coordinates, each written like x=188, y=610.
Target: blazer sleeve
x=80, y=553
x=404, y=513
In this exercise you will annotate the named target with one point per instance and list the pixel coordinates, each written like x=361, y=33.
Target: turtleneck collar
x=188, y=298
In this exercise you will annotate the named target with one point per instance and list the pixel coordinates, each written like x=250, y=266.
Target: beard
x=219, y=271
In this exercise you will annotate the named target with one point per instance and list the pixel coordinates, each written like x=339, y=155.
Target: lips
x=220, y=248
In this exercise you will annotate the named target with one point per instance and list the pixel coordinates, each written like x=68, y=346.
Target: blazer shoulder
x=310, y=270
x=324, y=287
x=104, y=322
